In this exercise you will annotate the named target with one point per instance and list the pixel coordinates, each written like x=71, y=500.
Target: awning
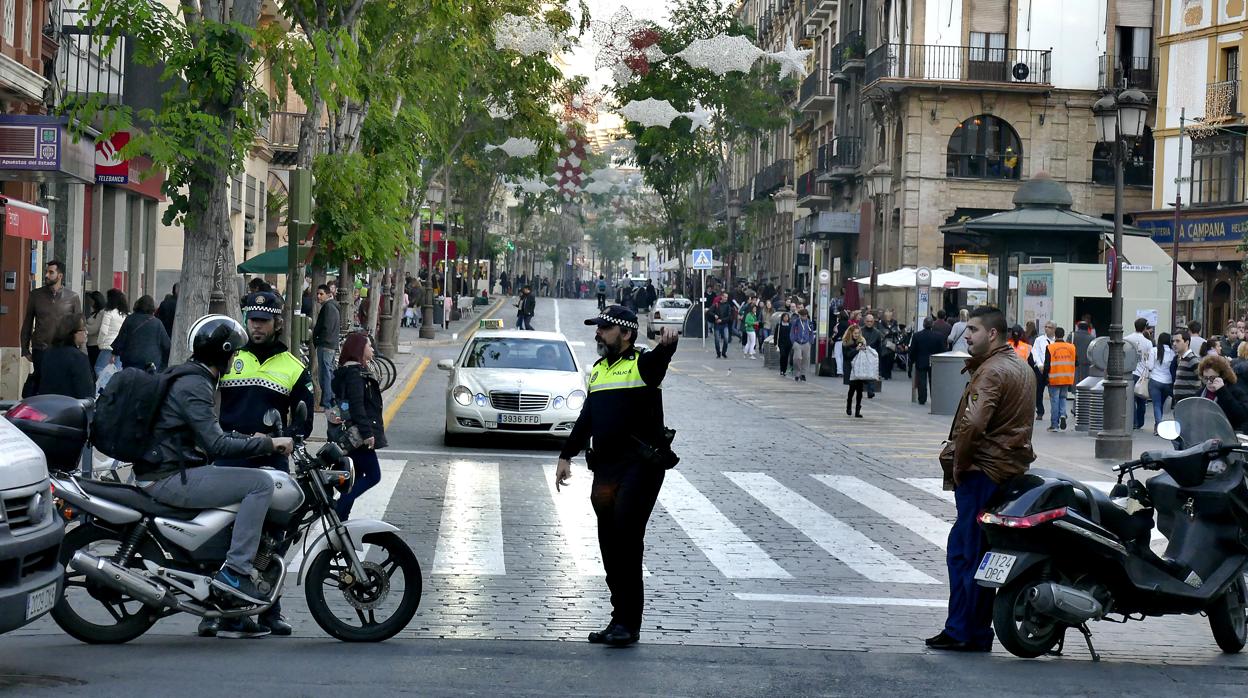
x=941, y=279
x=24, y=220
x=1141, y=250
x=274, y=261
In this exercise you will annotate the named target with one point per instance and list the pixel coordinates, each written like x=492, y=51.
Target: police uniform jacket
x=264, y=377
x=625, y=401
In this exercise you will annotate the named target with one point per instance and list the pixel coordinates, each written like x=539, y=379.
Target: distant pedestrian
x=874, y=338
x=1160, y=379
x=989, y=444
x=1038, y=352
x=95, y=317
x=67, y=370
x=526, y=306
x=1059, y=374
x=601, y=291
x=168, y=309
x=1186, y=378
x=942, y=325
x=957, y=334
x=1082, y=338
x=926, y=343
x=1220, y=384
x=858, y=356
x=44, y=309
x=142, y=341
x=802, y=334
x=784, y=343
x=722, y=314
x=1141, y=341
x=116, y=310
x=1197, y=341
x=325, y=342
x=357, y=388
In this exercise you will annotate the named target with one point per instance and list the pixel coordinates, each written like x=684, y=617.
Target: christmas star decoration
x=722, y=54
x=525, y=35
x=699, y=118
x=626, y=45
x=498, y=111
x=650, y=112
x=516, y=147
x=792, y=60
x=599, y=187
x=532, y=186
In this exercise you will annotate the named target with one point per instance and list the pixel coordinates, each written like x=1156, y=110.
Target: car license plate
x=995, y=568
x=40, y=601
x=518, y=419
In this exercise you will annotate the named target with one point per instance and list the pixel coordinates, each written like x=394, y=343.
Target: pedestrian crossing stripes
x=930, y=528
x=470, y=539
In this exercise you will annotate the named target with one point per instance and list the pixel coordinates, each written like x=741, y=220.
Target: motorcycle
x=1062, y=553
x=131, y=561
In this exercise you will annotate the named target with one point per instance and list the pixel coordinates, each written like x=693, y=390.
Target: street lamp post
x=426, y=309
x=734, y=212
x=786, y=204
x=879, y=180
x=1119, y=122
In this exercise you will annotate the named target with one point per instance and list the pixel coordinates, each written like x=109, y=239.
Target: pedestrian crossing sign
x=701, y=259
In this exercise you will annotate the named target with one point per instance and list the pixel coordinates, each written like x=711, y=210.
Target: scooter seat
x=135, y=498
x=1127, y=526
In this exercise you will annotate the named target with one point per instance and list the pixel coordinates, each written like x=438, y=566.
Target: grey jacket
x=325, y=334
x=187, y=433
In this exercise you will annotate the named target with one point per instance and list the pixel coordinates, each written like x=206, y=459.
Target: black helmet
x=213, y=339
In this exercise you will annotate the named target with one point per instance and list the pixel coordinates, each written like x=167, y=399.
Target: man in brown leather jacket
x=989, y=444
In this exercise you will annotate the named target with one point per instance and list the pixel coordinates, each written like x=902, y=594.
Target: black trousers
x=786, y=351
x=1041, y=384
x=623, y=497
x=922, y=376
x=855, y=390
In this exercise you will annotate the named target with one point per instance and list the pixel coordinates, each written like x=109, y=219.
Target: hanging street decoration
x=626, y=45
x=599, y=187
x=792, y=60
x=722, y=54
x=526, y=35
x=516, y=147
x=650, y=112
x=581, y=107
x=532, y=186
x=499, y=111
x=569, y=176
x=699, y=118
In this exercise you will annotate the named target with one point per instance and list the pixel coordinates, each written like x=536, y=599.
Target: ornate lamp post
x=786, y=205
x=1119, y=122
x=434, y=196
x=734, y=212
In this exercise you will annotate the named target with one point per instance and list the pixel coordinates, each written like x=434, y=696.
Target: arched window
x=1137, y=170
x=984, y=147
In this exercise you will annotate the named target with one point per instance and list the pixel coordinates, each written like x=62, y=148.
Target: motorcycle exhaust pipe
x=110, y=574
x=1067, y=604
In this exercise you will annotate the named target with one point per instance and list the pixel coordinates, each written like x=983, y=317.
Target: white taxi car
x=513, y=382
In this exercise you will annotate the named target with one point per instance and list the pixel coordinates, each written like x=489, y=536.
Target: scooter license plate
x=995, y=568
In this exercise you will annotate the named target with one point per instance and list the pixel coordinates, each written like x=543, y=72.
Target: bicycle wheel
x=385, y=371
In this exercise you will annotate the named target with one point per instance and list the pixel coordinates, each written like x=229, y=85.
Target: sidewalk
x=905, y=429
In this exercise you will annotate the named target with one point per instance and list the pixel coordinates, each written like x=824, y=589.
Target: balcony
x=825, y=224
x=840, y=159
x=816, y=93
x=1222, y=101
x=847, y=57
x=810, y=190
x=818, y=10
x=1118, y=72
x=970, y=66
x=772, y=177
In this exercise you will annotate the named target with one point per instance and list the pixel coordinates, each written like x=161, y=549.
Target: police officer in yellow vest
x=624, y=416
x=263, y=375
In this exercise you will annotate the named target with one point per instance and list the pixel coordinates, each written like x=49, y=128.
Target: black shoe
x=796, y=378
x=943, y=641
x=620, y=636
x=277, y=625
x=599, y=636
x=207, y=627
x=243, y=628
x=1062, y=423
x=858, y=415
x=803, y=379
x=870, y=396
x=238, y=585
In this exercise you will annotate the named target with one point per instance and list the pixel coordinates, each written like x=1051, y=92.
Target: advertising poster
x=1037, y=290
x=976, y=267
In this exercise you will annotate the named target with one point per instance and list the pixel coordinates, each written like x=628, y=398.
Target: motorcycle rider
x=263, y=375
x=179, y=470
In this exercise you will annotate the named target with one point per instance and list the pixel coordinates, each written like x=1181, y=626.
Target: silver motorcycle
x=131, y=561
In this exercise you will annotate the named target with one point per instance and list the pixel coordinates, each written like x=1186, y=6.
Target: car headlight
x=462, y=395
x=576, y=399
x=558, y=403
x=480, y=400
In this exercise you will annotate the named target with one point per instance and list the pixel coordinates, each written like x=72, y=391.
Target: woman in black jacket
x=142, y=341
x=783, y=342
x=1220, y=384
x=359, y=401
x=67, y=371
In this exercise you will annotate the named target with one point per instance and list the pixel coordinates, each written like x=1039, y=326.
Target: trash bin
x=948, y=381
x=1089, y=403
x=437, y=310
x=771, y=354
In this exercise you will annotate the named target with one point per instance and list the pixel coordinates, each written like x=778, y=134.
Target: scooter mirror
x=1169, y=430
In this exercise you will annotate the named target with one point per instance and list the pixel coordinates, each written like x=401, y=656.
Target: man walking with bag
x=802, y=334
x=623, y=415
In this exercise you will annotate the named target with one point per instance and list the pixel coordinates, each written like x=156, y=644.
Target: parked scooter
x=1063, y=553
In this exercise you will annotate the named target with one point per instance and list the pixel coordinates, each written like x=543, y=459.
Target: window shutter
x=1135, y=13
x=989, y=16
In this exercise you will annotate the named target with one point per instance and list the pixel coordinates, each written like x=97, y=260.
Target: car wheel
x=452, y=440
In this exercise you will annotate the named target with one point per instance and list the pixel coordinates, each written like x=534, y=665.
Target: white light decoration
x=699, y=118
x=599, y=187
x=516, y=147
x=792, y=60
x=499, y=111
x=525, y=35
x=650, y=112
x=532, y=186
x=722, y=54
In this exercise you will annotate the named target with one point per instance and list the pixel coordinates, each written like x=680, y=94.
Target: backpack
x=125, y=413
x=602, y=287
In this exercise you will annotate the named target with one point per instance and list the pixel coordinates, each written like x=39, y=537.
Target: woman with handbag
x=864, y=368
x=361, y=429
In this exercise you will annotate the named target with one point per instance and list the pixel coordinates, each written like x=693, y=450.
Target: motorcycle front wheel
x=369, y=610
x=1228, y=617
x=1022, y=631
x=97, y=614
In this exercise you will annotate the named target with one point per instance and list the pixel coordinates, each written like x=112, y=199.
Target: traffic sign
x=1111, y=268
x=824, y=276
x=701, y=259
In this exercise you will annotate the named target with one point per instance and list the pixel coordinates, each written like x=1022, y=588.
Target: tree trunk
x=208, y=242
x=375, y=291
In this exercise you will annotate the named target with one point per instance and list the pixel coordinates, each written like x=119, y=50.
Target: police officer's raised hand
x=563, y=472
x=283, y=445
x=668, y=336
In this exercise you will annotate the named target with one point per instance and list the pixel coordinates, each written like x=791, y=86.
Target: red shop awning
x=25, y=220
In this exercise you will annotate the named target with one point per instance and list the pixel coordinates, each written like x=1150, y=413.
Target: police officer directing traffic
x=624, y=416
x=263, y=375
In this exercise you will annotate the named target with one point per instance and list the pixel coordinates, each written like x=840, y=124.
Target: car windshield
x=675, y=303
x=516, y=352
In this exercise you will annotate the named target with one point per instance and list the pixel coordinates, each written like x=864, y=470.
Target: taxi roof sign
x=492, y=323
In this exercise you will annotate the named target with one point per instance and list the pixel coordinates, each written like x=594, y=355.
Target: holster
x=661, y=456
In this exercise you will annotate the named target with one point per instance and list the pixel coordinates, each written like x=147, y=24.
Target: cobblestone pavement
x=786, y=525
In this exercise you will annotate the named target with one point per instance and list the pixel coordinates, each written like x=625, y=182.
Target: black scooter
x=1063, y=553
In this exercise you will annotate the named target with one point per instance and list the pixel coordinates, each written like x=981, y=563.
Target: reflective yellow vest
x=623, y=374
x=279, y=374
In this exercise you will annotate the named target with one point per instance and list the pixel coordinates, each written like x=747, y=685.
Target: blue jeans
x=325, y=373
x=1057, y=404
x=970, y=605
x=1159, y=393
x=721, y=339
x=1141, y=405
x=105, y=358
x=523, y=322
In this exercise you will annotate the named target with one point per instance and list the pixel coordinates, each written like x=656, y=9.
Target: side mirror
x=446, y=364
x=1169, y=430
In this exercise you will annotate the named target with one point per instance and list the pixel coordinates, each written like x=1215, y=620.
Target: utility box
x=948, y=381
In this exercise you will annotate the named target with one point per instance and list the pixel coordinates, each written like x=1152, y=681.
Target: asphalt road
x=795, y=551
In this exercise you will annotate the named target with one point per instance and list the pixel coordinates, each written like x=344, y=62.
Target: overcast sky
x=581, y=60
